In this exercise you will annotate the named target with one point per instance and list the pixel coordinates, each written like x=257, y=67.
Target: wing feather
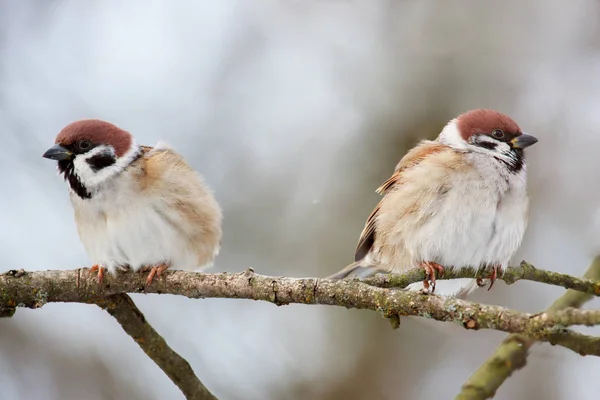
x=416, y=155
x=194, y=211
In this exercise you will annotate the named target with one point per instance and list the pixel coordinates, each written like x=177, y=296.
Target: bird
x=457, y=201
x=136, y=208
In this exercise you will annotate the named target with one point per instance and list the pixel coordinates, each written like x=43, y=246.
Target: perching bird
x=136, y=207
x=460, y=200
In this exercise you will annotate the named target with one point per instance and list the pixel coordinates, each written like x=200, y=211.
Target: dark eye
x=84, y=144
x=498, y=133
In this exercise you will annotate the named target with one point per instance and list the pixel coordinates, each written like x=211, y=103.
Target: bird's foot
x=156, y=270
x=492, y=278
x=430, y=268
x=100, y=270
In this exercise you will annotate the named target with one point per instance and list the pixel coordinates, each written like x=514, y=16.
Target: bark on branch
x=525, y=271
x=33, y=289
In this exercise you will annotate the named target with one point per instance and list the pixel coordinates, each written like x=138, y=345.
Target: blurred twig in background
x=23, y=347
x=512, y=353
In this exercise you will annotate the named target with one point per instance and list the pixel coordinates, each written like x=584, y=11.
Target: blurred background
x=294, y=111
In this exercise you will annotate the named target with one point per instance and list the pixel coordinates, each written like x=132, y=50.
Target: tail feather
x=359, y=269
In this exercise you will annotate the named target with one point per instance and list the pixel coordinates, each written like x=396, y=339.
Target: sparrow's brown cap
x=97, y=132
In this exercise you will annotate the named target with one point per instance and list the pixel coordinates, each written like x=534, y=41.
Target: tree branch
x=512, y=353
x=152, y=343
x=33, y=289
x=524, y=271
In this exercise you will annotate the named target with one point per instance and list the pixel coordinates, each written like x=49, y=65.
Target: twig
x=525, y=271
x=173, y=365
x=33, y=289
x=512, y=353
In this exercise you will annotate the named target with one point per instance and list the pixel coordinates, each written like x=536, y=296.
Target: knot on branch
x=392, y=317
x=471, y=324
x=16, y=273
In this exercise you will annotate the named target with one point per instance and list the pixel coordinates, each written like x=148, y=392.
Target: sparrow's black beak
x=58, y=153
x=523, y=140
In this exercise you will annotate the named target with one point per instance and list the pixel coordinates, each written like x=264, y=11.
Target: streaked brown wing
x=367, y=236
x=416, y=155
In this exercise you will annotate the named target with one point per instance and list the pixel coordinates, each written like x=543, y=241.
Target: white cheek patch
x=83, y=169
x=503, y=148
x=90, y=178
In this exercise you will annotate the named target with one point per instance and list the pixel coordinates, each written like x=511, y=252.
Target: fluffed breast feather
x=420, y=174
x=165, y=174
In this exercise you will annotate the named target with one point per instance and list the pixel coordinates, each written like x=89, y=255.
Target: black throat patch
x=516, y=162
x=67, y=168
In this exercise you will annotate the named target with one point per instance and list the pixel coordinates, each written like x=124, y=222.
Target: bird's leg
x=100, y=270
x=430, y=268
x=492, y=277
x=156, y=270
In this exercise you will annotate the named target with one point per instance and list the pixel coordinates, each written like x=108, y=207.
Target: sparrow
x=459, y=200
x=136, y=207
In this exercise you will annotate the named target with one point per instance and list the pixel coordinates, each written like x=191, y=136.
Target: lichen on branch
x=525, y=271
